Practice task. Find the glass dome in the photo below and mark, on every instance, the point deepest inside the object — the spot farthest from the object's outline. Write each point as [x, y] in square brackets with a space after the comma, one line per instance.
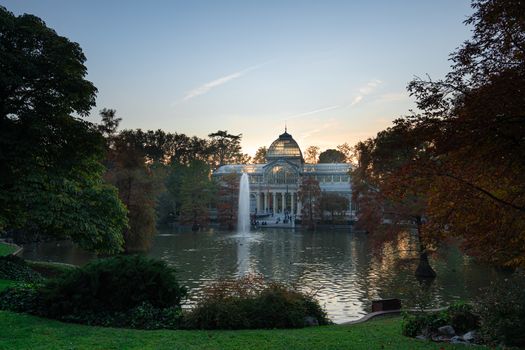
[284, 147]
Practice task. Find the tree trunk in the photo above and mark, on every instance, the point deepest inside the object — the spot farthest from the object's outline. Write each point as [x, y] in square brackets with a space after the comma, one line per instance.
[424, 270]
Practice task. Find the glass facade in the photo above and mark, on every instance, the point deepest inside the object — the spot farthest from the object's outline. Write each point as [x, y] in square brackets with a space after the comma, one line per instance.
[281, 175]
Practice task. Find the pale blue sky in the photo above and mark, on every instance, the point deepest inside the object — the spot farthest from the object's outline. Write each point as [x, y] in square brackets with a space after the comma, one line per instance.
[335, 70]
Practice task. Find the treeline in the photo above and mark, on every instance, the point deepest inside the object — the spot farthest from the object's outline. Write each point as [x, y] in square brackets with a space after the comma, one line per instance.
[165, 177]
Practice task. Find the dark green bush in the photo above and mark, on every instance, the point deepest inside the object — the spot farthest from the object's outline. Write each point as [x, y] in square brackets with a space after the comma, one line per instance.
[501, 309]
[16, 269]
[250, 302]
[125, 291]
[459, 315]
[144, 316]
[111, 285]
[22, 298]
[422, 322]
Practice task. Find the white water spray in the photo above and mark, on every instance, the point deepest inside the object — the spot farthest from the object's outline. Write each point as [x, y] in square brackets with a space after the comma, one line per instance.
[243, 213]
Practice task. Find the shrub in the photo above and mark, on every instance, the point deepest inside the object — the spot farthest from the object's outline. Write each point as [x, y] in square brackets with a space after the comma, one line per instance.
[144, 316]
[21, 298]
[124, 291]
[16, 269]
[422, 322]
[462, 317]
[250, 302]
[459, 315]
[501, 308]
[111, 285]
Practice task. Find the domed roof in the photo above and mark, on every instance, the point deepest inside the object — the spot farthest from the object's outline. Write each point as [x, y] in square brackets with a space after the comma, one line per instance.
[284, 147]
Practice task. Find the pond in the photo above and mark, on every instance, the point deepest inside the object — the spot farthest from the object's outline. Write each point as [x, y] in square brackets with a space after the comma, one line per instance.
[346, 270]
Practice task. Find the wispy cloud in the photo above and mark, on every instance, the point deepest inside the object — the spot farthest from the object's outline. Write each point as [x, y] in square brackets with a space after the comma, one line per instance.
[204, 88]
[365, 90]
[329, 124]
[315, 111]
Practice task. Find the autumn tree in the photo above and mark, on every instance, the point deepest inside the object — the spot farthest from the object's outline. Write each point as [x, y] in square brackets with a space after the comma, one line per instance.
[228, 199]
[469, 171]
[51, 158]
[310, 196]
[260, 155]
[474, 121]
[390, 200]
[311, 154]
[332, 156]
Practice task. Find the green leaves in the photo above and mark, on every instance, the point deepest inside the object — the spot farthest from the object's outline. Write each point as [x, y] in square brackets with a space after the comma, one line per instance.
[51, 174]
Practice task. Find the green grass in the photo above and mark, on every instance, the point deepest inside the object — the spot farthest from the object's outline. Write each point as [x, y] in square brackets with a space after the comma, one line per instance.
[5, 284]
[6, 249]
[21, 331]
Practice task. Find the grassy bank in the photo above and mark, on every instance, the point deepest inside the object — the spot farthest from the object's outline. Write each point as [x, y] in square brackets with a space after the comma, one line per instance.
[21, 331]
[6, 249]
[27, 332]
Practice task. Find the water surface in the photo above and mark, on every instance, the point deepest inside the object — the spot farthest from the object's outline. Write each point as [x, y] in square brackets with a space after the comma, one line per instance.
[345, 269]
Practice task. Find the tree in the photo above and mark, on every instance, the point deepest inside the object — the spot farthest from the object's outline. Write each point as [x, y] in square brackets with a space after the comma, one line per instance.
[228, 200]
[195, 191]
[475, 123]
[347, 150]
[310, 196]
[109, 123]
[260, 155]
[138, 180]
[51, 173]
[225, 148]
[389, 200]
[335, 204]
[311, 154]
[332, 156]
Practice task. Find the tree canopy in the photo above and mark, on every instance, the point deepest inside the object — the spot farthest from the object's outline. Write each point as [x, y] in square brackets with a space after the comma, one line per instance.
[311, 154]
[470, 133]
[260, 155]
[51, 173]
[332, 156]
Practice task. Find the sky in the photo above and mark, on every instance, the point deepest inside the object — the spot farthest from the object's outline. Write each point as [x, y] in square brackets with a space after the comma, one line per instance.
[333, 71]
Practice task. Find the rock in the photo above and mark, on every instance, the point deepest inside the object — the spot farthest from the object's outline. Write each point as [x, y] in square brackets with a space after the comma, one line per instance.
[310, 321]
[440, 338]
[457, 340]
[447, 330]
[421, 337]
[426, 333]
[470, 336]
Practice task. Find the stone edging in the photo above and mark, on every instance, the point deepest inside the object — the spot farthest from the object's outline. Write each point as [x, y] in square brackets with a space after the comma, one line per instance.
[18, 248]
[371, 315]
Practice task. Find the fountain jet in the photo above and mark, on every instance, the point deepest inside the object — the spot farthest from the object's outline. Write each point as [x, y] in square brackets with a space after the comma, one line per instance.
[243, 212]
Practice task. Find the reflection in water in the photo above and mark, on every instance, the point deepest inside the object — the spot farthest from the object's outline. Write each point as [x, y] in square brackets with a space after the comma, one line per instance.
[339, 266]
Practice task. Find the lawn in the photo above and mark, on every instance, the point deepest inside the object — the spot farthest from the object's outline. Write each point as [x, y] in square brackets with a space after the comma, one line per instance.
[28, 332]
[6, 249]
